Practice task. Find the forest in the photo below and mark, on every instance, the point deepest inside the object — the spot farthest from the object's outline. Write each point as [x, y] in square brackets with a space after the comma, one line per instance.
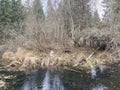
[74, 29]
[73, 35]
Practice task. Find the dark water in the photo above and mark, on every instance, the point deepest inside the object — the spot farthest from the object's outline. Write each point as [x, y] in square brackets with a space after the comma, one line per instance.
[60, 80]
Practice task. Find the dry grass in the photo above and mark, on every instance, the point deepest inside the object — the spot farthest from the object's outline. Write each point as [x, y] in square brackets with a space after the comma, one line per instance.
[7, 55]
[79, 59]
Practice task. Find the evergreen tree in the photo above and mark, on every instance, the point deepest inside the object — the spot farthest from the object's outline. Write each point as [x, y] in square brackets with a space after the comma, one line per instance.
[37, 9]
[11, 15]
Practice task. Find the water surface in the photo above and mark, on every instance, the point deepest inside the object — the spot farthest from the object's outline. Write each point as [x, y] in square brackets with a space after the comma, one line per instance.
[62, 80]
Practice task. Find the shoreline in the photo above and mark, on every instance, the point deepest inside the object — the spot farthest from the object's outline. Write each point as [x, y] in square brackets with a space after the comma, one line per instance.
[82, 59]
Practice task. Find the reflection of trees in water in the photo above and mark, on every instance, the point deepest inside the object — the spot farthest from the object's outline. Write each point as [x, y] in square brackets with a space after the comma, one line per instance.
[46, 81]
[55, 85]
[30, 83]
[75, 81]
[50, 82]
[65, 79]
[100, 87]
[12, 79]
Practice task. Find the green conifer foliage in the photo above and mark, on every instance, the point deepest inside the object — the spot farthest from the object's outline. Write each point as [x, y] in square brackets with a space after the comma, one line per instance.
[11, 15]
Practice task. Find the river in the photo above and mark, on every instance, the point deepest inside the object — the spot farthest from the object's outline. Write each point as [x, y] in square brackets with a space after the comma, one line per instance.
[60, 80]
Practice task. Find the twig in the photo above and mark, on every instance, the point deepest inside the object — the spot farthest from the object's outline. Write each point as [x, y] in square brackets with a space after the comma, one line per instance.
[71, 69]
[90, 57]
[91, 54]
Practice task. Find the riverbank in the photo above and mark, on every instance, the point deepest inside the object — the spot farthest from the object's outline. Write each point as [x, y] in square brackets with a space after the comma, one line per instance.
[76, 60]
[82, 63]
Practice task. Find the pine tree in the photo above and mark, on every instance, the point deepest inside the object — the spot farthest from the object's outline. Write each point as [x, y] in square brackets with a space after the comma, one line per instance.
[11, 15]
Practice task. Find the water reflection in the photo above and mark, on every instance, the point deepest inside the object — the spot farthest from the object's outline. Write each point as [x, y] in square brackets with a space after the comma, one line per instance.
[101, 67]
[100, 87]
[57, 84]
[49, 83]
[26, 85]
[30, 84]
[93, 73]
[46, 82]
[64, 80]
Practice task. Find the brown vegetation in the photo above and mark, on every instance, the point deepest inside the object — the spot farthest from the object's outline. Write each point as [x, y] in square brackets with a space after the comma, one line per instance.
[81, 59]
[77, 40]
